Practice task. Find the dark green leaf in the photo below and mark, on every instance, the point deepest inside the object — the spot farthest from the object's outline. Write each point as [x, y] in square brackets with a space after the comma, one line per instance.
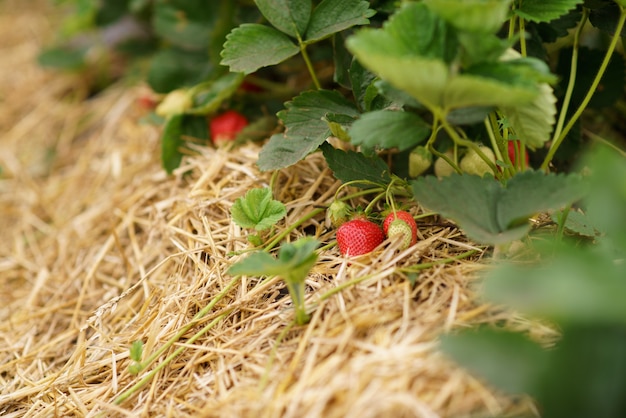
[171, 143]
[350, 166]
[587, 374]
[542, 11]
[389, 129]
[491, 213]
[304, 115]
[611, 85]
[282, 151]
[288, 16]
[507, 361]
[468, 115]
[257, 210]
[332, 16]
[110, 11]
[252, 46]
[174, 68]
[360, 80]
[187, 24]
[177, 130]
[605, 17]
[208, 101]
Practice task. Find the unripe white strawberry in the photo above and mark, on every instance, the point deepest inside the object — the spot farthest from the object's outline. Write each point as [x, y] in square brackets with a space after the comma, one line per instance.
[442, 168]
[175, 102]
[420, 160]
[471, 163]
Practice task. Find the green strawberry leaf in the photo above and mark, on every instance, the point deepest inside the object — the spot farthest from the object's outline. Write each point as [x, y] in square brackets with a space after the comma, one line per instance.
[187, 24]
[577, 223]
[288, 16]
[389, 129]
[305, 119]
[350, 166]
[472, 15]
[209, 100]
[257, 210]
[491, 213]
[172, 68]
[507, 360]
[332, 16]
[544, 11]
[177, 128]
[252, 46]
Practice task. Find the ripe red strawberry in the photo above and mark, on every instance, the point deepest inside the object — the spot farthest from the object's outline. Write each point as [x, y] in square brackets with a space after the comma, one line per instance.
[401, 223]
[513, 145]
[358, 236]
[226, 126]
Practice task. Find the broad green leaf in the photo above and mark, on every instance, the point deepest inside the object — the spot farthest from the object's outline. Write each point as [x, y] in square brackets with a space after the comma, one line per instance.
[257, 210]
[187, 24]
[472, 15]
[544, 11]
[257, 264]
[394, 96]
[173, 68]
[491, 213]
[332, 16]
[252, 46]
[577, 222]
[477, 48]
[507, 361]
[533, 122]
[576, 286]
[282, 151]
[350, 166]
[288, 16]
[389, 129]
[172, 142]
[604, 15]
[468, 115]
[304, 115]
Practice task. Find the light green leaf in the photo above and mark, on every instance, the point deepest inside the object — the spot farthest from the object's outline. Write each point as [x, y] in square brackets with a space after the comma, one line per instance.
[544, 11]
[252, 46]
[533, 122]
[209, 100]
[257, 210]
[508, 361]
[282, 151]
[350, 166]
[288, 16]
[257, 264]
[332, 16]
[491, 213]
[472, 15]
[389, 129]
[136, 350]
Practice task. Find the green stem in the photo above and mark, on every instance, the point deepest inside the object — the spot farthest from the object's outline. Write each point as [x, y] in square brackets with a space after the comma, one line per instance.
[129, 392]
[596, 81]
[278, 238]
[562, 220]
[572, 77]
[308, 63]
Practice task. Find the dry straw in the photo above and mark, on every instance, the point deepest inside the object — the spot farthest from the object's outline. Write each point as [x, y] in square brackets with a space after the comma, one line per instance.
[100, 248]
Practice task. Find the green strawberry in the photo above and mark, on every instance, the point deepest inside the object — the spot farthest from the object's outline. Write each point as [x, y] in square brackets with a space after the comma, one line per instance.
[401, 223]
[420, 160]
[473, 164]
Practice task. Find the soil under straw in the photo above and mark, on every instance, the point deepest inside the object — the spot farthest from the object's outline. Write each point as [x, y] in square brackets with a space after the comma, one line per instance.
[100, 248]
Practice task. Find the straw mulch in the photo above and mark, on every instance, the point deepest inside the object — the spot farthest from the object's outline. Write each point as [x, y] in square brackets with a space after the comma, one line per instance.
[100, 248]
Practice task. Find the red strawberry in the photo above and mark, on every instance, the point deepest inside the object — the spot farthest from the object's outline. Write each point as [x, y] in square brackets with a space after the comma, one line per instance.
[401, 222]
[226, 126]
[515, 147]
[359, 236]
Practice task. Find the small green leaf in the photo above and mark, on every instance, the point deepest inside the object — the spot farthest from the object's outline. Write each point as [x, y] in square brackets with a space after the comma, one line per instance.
[171, 143]
[506, 360]
[332, 16]
[257, 210]
[288, 16]
[389, 129]
[577, 222]
[544, 11]
[490, 213]
[252, 46]
[349, 166]
[136, 350]
[472, 15]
